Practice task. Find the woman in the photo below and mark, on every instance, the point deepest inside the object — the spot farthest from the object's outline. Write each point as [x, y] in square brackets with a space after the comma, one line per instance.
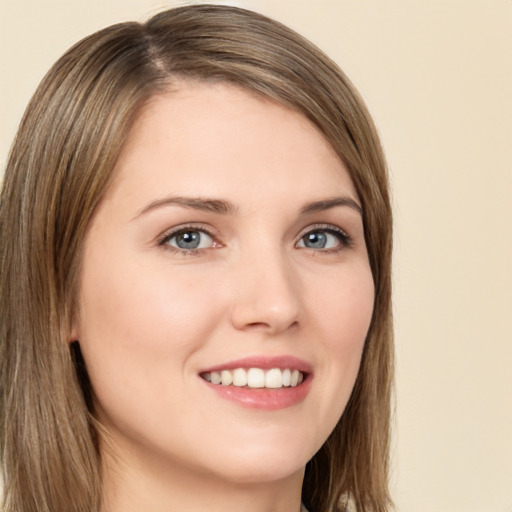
[196, 247]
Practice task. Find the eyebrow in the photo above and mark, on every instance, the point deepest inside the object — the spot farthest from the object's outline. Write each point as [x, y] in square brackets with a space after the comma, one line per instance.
[327, 204]
[196, 203]
[227, 208]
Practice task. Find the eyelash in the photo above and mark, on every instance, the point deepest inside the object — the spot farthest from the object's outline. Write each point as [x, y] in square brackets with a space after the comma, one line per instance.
[344, 239]
[166, 237]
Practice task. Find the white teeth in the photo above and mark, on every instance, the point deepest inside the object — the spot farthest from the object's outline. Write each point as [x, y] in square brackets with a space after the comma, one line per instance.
[240, 377]
[227, 377]
[256, 378]
[274, 378]
[287, 377]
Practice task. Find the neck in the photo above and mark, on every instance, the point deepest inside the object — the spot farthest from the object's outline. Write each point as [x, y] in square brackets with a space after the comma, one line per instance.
[132, 485]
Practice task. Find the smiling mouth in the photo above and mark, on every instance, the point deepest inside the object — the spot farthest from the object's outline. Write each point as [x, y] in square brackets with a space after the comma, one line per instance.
[256, 378]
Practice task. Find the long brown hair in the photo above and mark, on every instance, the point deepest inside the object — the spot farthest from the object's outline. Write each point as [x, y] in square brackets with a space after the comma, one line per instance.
[60, 166]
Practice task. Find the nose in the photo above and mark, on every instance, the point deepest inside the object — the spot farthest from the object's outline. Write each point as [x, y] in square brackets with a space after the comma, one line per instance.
[266, 295]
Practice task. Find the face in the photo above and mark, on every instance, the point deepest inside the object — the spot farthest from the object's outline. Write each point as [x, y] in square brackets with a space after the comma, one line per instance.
[225, 289]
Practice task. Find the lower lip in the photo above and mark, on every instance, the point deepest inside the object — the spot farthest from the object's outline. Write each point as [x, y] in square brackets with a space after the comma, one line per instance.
[264, 398]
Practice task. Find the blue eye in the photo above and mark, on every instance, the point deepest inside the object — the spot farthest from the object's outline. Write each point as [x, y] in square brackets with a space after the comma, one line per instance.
[322, 239]
[189, 239]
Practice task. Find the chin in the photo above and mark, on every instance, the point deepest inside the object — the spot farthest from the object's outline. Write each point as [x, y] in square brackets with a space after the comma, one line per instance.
[260, 462]
[261, 471]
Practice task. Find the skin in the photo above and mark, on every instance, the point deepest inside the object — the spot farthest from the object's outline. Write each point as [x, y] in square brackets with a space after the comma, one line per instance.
[152, 316]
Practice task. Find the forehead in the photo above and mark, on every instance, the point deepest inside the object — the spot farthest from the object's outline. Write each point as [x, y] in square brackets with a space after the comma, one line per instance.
[221, 139]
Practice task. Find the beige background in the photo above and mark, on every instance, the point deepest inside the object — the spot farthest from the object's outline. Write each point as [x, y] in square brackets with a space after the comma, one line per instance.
[437, 76]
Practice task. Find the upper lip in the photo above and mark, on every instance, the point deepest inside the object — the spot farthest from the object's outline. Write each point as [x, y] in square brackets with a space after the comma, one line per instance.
[263, 362]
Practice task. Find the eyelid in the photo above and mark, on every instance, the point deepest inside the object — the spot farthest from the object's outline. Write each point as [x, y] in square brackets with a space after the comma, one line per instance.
[176, 230]
[344, 238]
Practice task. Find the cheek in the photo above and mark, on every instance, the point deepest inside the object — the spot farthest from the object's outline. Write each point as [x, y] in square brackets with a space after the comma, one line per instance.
[139, 327]
[344, 311]
[139, 305]
[138, 340]
[343, 317]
